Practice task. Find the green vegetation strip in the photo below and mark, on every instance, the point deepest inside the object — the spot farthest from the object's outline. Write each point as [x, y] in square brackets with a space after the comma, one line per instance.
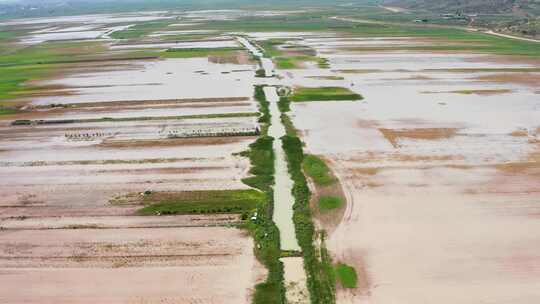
[317, 261]
[261, 156]
[8, 111]
[284, 105]
[317, 169]
[264, 105]
[106, 119]
[263, 229]
[303, 94]
[297, 62]
[201, 202]
[346, 275]
[198, 52]
[320, 280]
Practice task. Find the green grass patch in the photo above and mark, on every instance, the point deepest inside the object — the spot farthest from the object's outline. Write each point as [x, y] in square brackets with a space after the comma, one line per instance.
[303, 94]
[8, 111]
[201, 202]
[286, 63]
[317, 169]
[298, 62]
[346, 275]
[328, 203]
[284, 104]
[261, 156]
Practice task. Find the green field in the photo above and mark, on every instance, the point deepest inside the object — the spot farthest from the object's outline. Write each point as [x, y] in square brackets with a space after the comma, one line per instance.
[200, 202]
[303, 94]
[199, 52]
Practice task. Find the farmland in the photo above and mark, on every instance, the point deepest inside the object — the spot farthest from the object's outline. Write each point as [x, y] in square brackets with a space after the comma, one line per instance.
[321, 155]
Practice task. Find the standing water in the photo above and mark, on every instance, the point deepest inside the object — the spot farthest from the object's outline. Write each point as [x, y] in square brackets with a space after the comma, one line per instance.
[283, 198]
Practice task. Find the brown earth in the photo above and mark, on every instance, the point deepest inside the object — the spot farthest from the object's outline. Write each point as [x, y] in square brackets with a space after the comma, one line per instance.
[393, 135]
[528, 79]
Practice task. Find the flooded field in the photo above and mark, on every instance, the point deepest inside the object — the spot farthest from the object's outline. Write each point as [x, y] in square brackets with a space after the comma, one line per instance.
[86, 152]
[154, 80]
[440, 169]
[150, 157]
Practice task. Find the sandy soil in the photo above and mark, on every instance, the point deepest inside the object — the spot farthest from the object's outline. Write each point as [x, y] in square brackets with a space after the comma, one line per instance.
[112, 222]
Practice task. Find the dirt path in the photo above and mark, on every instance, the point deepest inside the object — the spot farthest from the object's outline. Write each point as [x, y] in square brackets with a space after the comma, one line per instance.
[511, 37]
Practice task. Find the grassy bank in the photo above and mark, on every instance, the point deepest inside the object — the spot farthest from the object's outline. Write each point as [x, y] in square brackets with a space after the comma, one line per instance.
[263, 229]
[317, 170]
[317, 261]
[320, 282]
[303, 94]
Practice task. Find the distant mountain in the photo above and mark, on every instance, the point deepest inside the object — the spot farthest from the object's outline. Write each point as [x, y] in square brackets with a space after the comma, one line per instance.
[520, 17]
[470, 6]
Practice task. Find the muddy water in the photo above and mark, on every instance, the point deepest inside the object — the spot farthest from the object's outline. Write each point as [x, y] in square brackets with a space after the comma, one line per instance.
[283, 199]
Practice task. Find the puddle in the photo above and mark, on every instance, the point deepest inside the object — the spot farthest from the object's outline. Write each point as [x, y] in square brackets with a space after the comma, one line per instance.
[295, 281]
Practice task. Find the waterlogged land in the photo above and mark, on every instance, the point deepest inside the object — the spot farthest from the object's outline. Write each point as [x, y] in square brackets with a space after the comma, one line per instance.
[121, 173]
[313, 155]
[438, 164]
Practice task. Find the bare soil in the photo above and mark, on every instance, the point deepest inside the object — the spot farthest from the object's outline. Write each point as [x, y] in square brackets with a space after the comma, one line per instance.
[393, 135]
[528, 79]
[158, 265]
